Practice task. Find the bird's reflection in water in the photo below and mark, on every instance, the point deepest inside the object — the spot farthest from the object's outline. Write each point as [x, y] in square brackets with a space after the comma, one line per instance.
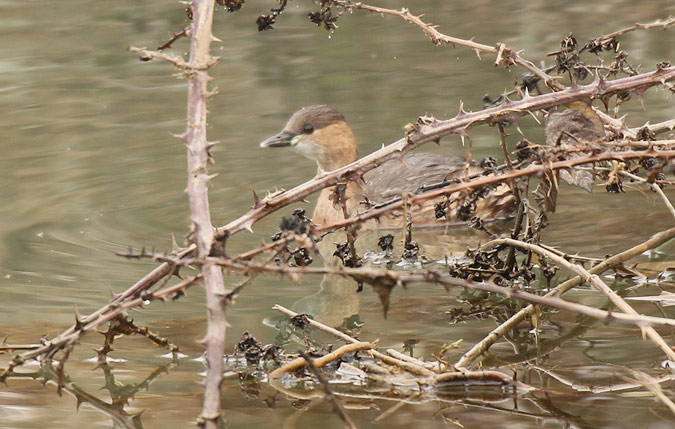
[338, 299]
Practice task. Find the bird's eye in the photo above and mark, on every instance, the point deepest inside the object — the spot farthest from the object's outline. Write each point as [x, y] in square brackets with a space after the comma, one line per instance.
[308, 129]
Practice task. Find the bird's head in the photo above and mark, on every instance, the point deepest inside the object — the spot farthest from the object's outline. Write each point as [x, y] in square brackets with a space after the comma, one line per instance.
[320, 133]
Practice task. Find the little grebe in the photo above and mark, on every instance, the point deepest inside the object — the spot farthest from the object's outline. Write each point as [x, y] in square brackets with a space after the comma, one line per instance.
[320, 133]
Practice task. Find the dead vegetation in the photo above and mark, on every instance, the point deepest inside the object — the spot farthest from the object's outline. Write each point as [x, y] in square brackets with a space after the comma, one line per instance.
[593, 149]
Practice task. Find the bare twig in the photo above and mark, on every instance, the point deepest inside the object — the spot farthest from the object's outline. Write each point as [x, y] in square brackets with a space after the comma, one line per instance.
[580, 387]
[434, 366]
[502, 142]
[505, 55]
[298, 363]
[642, 144]
[11, 348]
[278, 244]
[147, 55]
[659, 23]
[195, 65]
[655, 187]
[173, 38]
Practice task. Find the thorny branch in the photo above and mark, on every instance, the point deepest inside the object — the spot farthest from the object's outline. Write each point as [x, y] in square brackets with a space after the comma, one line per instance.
[659, 23]
[117, 307]
[390, 278]
[198, 178]
[147, 55]
[176, 36]
[488, 180]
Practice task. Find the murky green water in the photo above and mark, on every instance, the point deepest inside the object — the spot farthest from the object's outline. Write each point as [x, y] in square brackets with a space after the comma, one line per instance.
[89, 168]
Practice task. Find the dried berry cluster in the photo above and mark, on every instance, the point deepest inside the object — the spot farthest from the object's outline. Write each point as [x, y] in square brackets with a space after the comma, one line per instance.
[322, 17]
[231, 5]
[299, 224]
[568, 58]
[254, 352]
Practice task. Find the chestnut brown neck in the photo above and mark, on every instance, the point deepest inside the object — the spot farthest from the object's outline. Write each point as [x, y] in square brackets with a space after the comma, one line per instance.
[335, 145]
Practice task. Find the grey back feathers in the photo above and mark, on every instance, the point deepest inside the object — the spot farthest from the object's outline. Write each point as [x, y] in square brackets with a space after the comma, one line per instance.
[416, 169]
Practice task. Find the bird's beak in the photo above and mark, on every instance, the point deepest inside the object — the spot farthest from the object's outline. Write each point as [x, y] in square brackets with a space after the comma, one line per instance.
[282, 139]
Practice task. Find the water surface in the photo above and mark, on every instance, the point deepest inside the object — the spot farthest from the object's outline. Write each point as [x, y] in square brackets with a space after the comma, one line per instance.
[90, 168]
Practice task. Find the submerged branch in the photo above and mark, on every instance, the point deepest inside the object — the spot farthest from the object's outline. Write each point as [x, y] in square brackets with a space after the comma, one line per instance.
[417, 368]
[480, 347]
[298, 363]
[594, 280]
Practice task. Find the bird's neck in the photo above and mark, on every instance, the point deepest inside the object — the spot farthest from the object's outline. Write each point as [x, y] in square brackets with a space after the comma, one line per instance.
[329, 208]
[335, 147]
[334, 160]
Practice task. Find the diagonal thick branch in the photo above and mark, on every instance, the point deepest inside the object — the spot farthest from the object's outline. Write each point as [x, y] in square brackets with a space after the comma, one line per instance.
[460, 124]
